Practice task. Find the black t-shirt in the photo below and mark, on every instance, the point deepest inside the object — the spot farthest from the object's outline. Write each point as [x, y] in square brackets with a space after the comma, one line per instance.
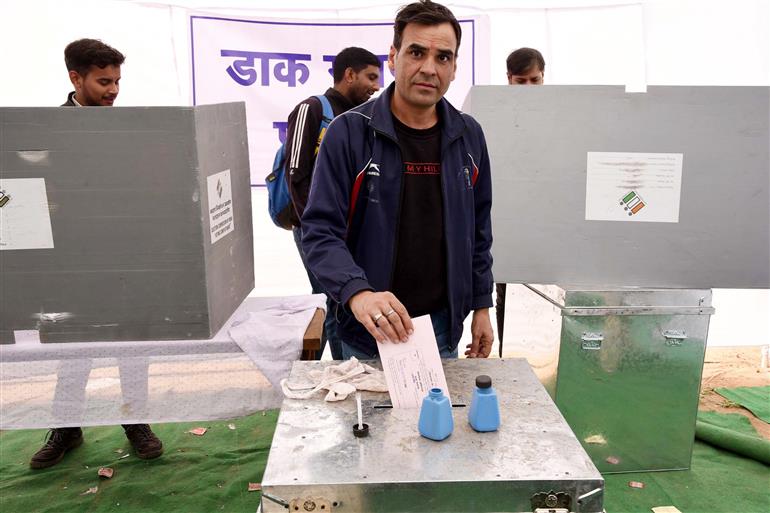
[419, 279]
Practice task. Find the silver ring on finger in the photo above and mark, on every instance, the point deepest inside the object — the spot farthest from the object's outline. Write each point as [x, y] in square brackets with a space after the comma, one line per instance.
[377, 318]
[391, 312]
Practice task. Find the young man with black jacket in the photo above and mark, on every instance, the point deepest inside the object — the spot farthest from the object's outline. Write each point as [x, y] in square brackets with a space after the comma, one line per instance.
[94, 70]
[398, 218]
[356, 74]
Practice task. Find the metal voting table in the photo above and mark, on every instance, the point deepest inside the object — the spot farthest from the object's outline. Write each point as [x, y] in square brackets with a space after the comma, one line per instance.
[533, 463]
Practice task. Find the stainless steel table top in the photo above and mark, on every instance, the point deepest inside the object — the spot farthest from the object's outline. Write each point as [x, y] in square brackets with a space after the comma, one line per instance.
[314, 454]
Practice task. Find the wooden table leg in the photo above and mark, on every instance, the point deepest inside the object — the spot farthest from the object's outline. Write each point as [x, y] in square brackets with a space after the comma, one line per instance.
[311, 342]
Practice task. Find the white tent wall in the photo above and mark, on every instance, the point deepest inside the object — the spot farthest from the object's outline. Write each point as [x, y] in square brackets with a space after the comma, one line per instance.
[658, 42]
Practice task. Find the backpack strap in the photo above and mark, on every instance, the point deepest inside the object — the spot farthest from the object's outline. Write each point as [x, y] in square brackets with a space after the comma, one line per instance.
[328, 116]
[328, 113]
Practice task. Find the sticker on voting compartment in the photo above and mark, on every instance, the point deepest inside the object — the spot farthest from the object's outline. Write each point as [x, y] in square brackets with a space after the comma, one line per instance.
[25, 220]
[221, 220]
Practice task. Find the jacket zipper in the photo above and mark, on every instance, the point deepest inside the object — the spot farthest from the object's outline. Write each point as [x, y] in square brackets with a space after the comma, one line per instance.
[445, 201]
[398, 207]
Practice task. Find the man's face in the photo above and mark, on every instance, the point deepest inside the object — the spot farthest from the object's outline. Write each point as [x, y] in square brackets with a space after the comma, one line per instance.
[99, 87]
[424, 66]
[532, 76]
[365, 83]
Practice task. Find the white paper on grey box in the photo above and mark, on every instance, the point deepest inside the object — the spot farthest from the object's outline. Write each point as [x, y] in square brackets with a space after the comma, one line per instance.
[414, 367]
[220, 195]
[633, 187]
[25, 221]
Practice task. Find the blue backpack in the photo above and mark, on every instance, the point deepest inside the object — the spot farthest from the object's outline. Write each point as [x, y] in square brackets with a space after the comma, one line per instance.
[278, 199]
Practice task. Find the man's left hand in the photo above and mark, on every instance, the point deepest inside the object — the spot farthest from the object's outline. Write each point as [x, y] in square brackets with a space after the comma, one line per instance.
[483, 336]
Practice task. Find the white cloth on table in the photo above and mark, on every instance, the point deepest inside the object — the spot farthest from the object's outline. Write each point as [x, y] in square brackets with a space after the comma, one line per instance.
[340, 380]
[273, 337]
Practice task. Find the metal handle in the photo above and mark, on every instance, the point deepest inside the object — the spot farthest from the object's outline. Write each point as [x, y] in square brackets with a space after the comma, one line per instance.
[591, 341]
[674, 337]
[586, 496]
[277, 500]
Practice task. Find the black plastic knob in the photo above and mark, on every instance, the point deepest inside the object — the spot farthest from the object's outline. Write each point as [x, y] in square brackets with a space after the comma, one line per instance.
[483, 381]
[362, 431]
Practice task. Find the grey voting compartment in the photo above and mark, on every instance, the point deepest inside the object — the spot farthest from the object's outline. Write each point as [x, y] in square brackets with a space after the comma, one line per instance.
[539, 139]
[123, 223]
[623, 335]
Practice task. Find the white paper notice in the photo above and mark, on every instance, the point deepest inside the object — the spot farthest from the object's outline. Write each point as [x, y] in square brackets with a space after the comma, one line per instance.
[636, 187]
[221, 220]
[25, 222]
[26, 337]
[414, 367]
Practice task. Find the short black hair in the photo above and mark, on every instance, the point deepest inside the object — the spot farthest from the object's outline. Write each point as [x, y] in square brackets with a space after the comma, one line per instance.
[424, 12]
[520, 61]
[355, 58]
[80, 55]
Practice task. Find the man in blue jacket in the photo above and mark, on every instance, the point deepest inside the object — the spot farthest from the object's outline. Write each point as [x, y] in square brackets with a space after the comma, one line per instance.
[397, 223]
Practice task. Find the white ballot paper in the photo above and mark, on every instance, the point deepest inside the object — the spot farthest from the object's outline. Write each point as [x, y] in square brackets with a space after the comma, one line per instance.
[414, 367]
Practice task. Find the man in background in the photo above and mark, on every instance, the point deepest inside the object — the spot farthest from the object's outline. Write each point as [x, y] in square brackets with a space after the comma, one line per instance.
[94, 70]
[356, 74]
[526, 66]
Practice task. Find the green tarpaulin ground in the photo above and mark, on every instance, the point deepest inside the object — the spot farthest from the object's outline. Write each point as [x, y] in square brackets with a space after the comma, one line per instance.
[719, 481]
[754, 399]
[208, 473]
[211, 473]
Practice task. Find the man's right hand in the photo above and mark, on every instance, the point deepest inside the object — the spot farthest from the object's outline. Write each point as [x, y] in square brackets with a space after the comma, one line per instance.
[383, 315]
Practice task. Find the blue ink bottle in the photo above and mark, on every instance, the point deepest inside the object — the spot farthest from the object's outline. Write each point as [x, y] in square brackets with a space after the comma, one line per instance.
[436, 420]
[484, 413]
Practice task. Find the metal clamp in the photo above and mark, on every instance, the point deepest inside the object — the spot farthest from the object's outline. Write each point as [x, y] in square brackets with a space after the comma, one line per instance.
[674, 337]
[591, 341]
[547, 502]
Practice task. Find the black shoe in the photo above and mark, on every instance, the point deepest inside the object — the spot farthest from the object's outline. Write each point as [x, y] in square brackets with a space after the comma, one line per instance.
[60, 440]
[146, 445]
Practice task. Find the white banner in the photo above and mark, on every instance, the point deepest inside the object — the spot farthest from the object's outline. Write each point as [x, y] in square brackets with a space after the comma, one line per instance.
[273, 65]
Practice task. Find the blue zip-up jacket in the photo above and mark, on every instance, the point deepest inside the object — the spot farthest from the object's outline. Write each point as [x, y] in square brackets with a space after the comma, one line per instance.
[350, 223]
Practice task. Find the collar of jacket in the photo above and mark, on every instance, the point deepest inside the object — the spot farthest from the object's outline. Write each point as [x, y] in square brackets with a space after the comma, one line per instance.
[70, 100]
[339, 97]
[382, 120]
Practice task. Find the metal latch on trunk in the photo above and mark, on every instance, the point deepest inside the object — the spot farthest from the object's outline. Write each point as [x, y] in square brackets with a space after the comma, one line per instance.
[591, 341]
[674, 337]
[551, 502]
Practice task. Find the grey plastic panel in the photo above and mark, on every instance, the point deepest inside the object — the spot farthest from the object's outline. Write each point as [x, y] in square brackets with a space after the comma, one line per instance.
[131, 258]
[538, 140]
[222, 144]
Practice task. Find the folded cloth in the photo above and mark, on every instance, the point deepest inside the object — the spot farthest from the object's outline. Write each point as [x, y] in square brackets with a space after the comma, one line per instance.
[340, 380]
[272, 337]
